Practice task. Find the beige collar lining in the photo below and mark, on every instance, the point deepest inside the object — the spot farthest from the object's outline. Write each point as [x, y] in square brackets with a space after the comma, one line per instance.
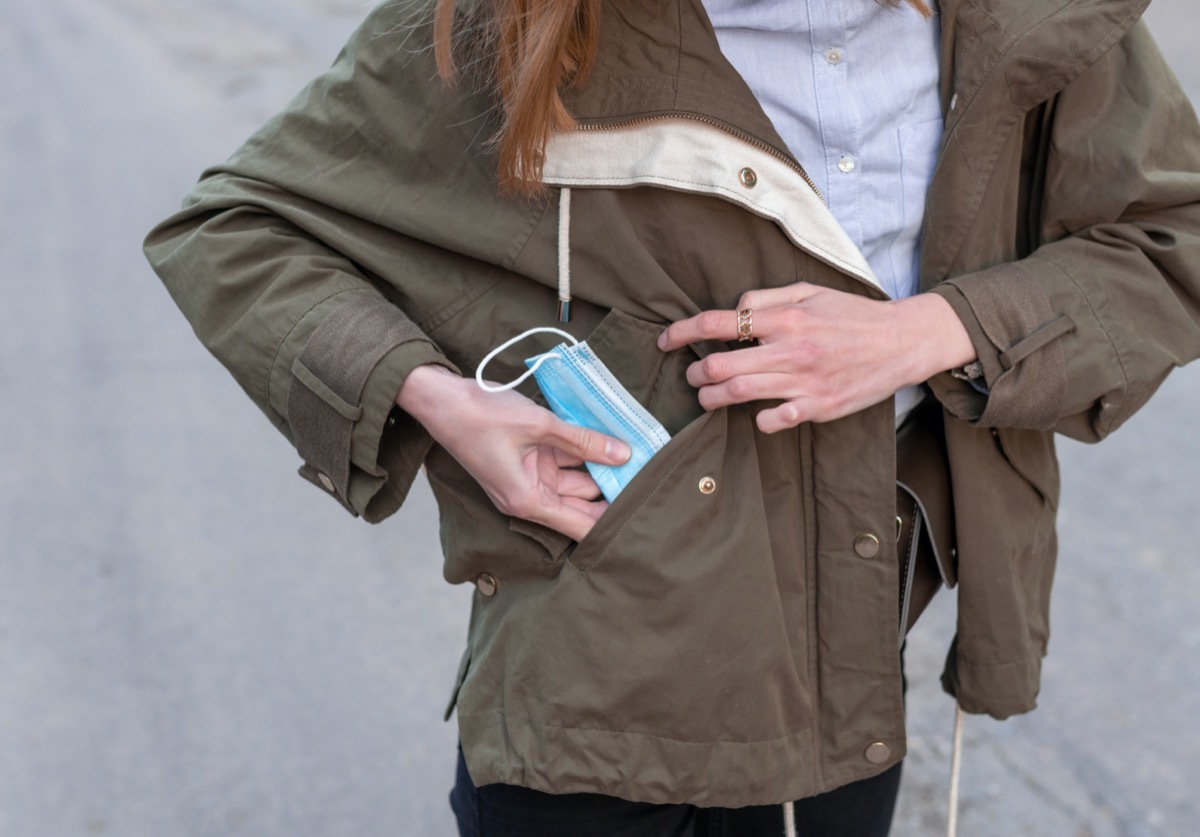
[691, 156]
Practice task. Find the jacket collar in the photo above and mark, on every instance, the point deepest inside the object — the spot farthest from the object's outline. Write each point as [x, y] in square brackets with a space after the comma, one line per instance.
[1038, 47]
[661, 58]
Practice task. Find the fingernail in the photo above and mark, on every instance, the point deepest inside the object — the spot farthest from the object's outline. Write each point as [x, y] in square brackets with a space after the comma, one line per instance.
[617, 451]
[662, 340]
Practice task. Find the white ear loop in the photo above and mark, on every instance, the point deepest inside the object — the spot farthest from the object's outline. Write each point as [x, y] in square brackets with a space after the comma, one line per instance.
[486, 387]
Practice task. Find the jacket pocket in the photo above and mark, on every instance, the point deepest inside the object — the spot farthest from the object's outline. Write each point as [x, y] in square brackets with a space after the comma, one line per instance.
[627, 346]
[662, 469]
[667, 609]
[478, 538]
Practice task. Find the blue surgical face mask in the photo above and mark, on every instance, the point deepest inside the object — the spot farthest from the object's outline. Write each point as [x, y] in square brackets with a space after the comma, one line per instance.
[581, 390]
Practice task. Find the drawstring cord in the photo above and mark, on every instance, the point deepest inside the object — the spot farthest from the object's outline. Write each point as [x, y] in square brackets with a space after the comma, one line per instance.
[789, 808]
[564, 255]
[955, 768]
[564, 302]
[486, 387]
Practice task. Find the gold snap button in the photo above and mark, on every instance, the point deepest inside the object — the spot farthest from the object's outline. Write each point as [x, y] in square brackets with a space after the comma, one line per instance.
[867, 546]
[486, 585]
[708, 485]
[878, 753]
[748, 178]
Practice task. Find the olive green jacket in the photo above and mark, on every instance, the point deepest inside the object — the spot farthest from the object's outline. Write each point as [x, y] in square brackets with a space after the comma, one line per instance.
[737, 645]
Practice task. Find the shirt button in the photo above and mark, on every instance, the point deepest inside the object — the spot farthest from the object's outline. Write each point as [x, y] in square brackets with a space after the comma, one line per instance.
[486, 585]
[878, 753]
[867, 546]
[846, 164]
[833, 55]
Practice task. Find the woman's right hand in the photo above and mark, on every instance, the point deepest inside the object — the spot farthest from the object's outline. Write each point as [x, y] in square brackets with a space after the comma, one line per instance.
[523, 455]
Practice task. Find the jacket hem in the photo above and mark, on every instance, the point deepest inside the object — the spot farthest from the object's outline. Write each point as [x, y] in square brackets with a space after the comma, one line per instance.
[515, 750]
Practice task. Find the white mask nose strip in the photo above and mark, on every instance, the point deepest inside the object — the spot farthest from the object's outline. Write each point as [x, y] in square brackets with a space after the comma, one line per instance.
[490, 356]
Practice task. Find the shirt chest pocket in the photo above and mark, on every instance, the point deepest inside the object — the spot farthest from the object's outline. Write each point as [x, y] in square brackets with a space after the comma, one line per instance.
[919, 146]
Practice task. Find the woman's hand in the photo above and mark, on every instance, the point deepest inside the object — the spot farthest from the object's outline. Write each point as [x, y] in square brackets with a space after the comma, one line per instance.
[523, 455]
[824, 353]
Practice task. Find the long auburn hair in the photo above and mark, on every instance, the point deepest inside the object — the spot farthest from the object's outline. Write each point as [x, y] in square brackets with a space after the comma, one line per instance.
[529, 52]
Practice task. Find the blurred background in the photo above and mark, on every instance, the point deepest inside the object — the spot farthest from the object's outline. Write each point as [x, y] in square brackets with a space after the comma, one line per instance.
[194, 642]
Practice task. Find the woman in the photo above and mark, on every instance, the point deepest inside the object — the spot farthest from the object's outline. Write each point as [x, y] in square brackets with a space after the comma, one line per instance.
[724, 635]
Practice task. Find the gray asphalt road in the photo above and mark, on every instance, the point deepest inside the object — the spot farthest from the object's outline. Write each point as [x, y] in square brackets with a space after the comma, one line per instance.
[194, 642]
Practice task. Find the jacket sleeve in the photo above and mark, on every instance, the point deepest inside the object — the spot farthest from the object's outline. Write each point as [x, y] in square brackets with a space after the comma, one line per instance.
[1077, 336]
[315, 262]
[311, 340]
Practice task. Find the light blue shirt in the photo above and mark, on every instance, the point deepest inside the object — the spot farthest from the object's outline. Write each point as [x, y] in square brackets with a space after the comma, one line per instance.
[852, 88]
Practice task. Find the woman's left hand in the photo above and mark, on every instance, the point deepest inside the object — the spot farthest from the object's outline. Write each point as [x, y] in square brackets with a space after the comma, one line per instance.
[824, 353]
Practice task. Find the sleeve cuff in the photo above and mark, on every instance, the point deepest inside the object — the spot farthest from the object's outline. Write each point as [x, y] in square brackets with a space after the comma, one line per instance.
[1017, 338]
[388, 446]
[342, 389]
[960, 397]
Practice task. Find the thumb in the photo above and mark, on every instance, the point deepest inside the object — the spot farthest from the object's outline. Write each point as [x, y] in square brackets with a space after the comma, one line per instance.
[586, 444]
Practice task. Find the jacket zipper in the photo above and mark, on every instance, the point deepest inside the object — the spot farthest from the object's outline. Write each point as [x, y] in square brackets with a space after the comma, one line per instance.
[724, 126]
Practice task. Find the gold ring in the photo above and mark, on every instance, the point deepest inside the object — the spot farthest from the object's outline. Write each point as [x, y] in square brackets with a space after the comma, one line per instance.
[745, 325]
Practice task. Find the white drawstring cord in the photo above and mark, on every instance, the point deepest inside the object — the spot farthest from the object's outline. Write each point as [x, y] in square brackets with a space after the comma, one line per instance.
[486, 387]
[564, 255]
[789, 808]
[955, 767]
[789, 819]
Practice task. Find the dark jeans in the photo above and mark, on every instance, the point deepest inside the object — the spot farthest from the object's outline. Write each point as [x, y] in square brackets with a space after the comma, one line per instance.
[861, 809]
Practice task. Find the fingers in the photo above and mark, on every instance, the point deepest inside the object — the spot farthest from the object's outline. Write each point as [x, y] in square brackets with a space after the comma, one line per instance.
[592, 508]
[577, 485]
[573, 517]
[583, 443]
[707, 325]
[565, 460]
[786, 415]
[723, 325]
[721, 366]
[746, 388]
[771, 297]
[775, 311]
